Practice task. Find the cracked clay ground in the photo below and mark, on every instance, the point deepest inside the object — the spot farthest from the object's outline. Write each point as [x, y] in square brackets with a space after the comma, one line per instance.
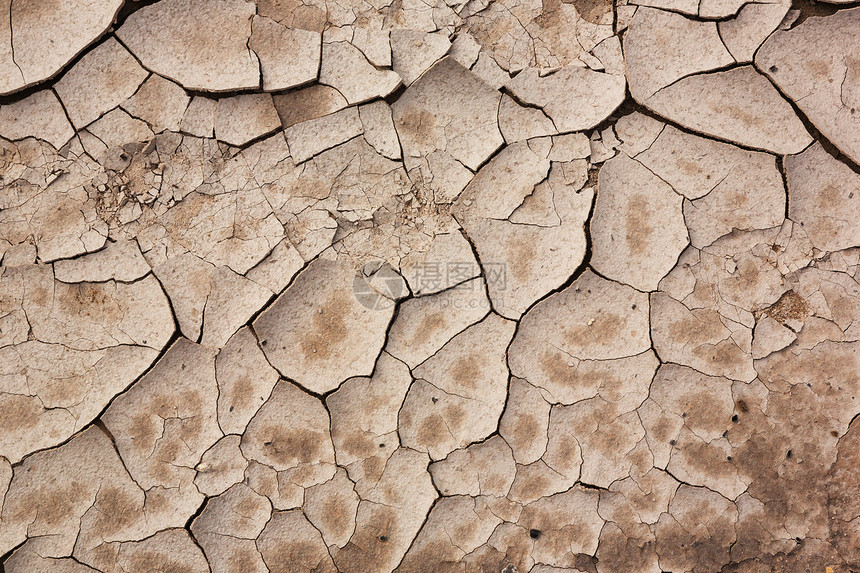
[429, 286]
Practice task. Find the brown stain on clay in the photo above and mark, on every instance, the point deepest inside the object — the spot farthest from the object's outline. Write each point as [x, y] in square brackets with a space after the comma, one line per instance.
[610, 435]
[50, 505]
[189, 209]
[697, 329]
[143, 432]
[429, 325]
[431, 430]
[523, 255]
[290, 447]
[356, 444]
[328, 328]
[337, 515]
[373, 542]
[842, 499]
[735, 110]
[249, 506]
[466, 371]
[177, 416]
[534, 488]
[96, 301]
[158, 500]
[420, 125]
[19, 413]
[61, 503]
[818, 68]
[688, 167]
[39, 293]
[117, 509]
[831, 200]
[628, 549]
[723, 355]
[605, 328]
[638, 229]
[705, 460]
[565, 454]
[293, 14]
[704, 411]
[241, 395]
[67, 215]
[372, 468]
[524, 429]
[157, 561]
[492, 482]
[242, 558]
[454, 415]
[698, 553]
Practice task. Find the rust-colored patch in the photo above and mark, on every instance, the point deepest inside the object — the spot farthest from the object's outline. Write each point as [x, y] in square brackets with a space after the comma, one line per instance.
[790, 306]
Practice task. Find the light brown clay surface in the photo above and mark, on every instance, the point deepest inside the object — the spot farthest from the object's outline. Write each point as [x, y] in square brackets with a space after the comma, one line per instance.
[487, 286]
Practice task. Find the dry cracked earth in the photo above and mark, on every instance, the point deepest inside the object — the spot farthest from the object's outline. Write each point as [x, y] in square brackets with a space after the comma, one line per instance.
[496, 286]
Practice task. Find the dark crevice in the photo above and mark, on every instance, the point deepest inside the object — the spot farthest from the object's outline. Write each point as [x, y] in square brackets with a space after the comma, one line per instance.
[728, 67]
[593, 177]
[780, 165]
[197, 513]
[106, 431]
[55, 77]
[628, 106]
[128, 8]
[702, 19]
[420, 529]
[8, 554]
[525, 104]
[635, 106]
[813, 9]
[12, 42]
[395, 95]
[97, 419]
[176, 327]
[810, 127]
